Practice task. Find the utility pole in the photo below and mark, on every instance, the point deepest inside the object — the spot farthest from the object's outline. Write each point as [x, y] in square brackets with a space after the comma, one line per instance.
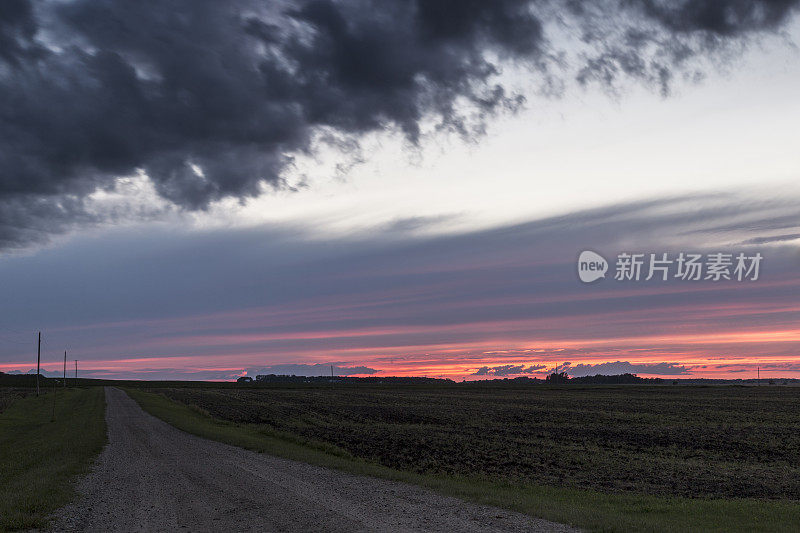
[76, 372]
[38, 361]
[331, 370]
[758, 373]
[65, 369]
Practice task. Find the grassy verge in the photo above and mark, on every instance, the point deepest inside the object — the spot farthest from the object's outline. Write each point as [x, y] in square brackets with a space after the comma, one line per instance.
[587, 509]
[40, 455]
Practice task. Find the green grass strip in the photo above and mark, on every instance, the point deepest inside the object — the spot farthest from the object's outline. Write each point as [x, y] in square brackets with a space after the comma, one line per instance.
[590, 510]
[41, 456]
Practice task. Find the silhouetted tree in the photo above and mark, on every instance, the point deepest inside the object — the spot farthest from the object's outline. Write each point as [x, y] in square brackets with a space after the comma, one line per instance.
[560, 377]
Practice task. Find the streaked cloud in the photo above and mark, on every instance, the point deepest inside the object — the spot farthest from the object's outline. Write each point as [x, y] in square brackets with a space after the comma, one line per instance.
[435, 304]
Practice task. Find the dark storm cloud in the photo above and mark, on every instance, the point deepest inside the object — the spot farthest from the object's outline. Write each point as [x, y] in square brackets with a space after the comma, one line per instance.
[208, 97]
[656, 40]
[720, 17]
[31, 219]
[17, 29]
[211, 98]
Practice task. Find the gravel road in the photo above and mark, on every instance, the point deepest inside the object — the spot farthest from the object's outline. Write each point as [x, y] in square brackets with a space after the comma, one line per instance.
[153, 477]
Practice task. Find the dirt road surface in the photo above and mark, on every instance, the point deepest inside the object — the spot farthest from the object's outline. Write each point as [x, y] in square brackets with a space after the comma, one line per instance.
[153, 477]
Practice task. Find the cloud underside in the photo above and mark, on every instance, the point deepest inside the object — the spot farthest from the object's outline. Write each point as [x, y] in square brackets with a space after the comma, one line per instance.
[211, 99]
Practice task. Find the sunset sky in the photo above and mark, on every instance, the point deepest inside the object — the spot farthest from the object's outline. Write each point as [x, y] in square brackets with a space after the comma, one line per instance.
[203, 189]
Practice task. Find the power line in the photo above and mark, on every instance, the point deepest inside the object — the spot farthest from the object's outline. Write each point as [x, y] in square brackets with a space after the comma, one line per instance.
[38, 361]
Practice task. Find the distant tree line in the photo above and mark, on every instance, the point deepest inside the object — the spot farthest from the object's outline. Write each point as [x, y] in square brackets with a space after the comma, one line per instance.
[275, 378]
[615, 380]
[553, 378]
[560, 377]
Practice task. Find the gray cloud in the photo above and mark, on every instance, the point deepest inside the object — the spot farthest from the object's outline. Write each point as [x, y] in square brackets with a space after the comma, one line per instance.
[42, 371]
[790, 366]
[591, 369]
[773, 238]
[411, 224]
[507, 370]
[211, 98]
[624, 367]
